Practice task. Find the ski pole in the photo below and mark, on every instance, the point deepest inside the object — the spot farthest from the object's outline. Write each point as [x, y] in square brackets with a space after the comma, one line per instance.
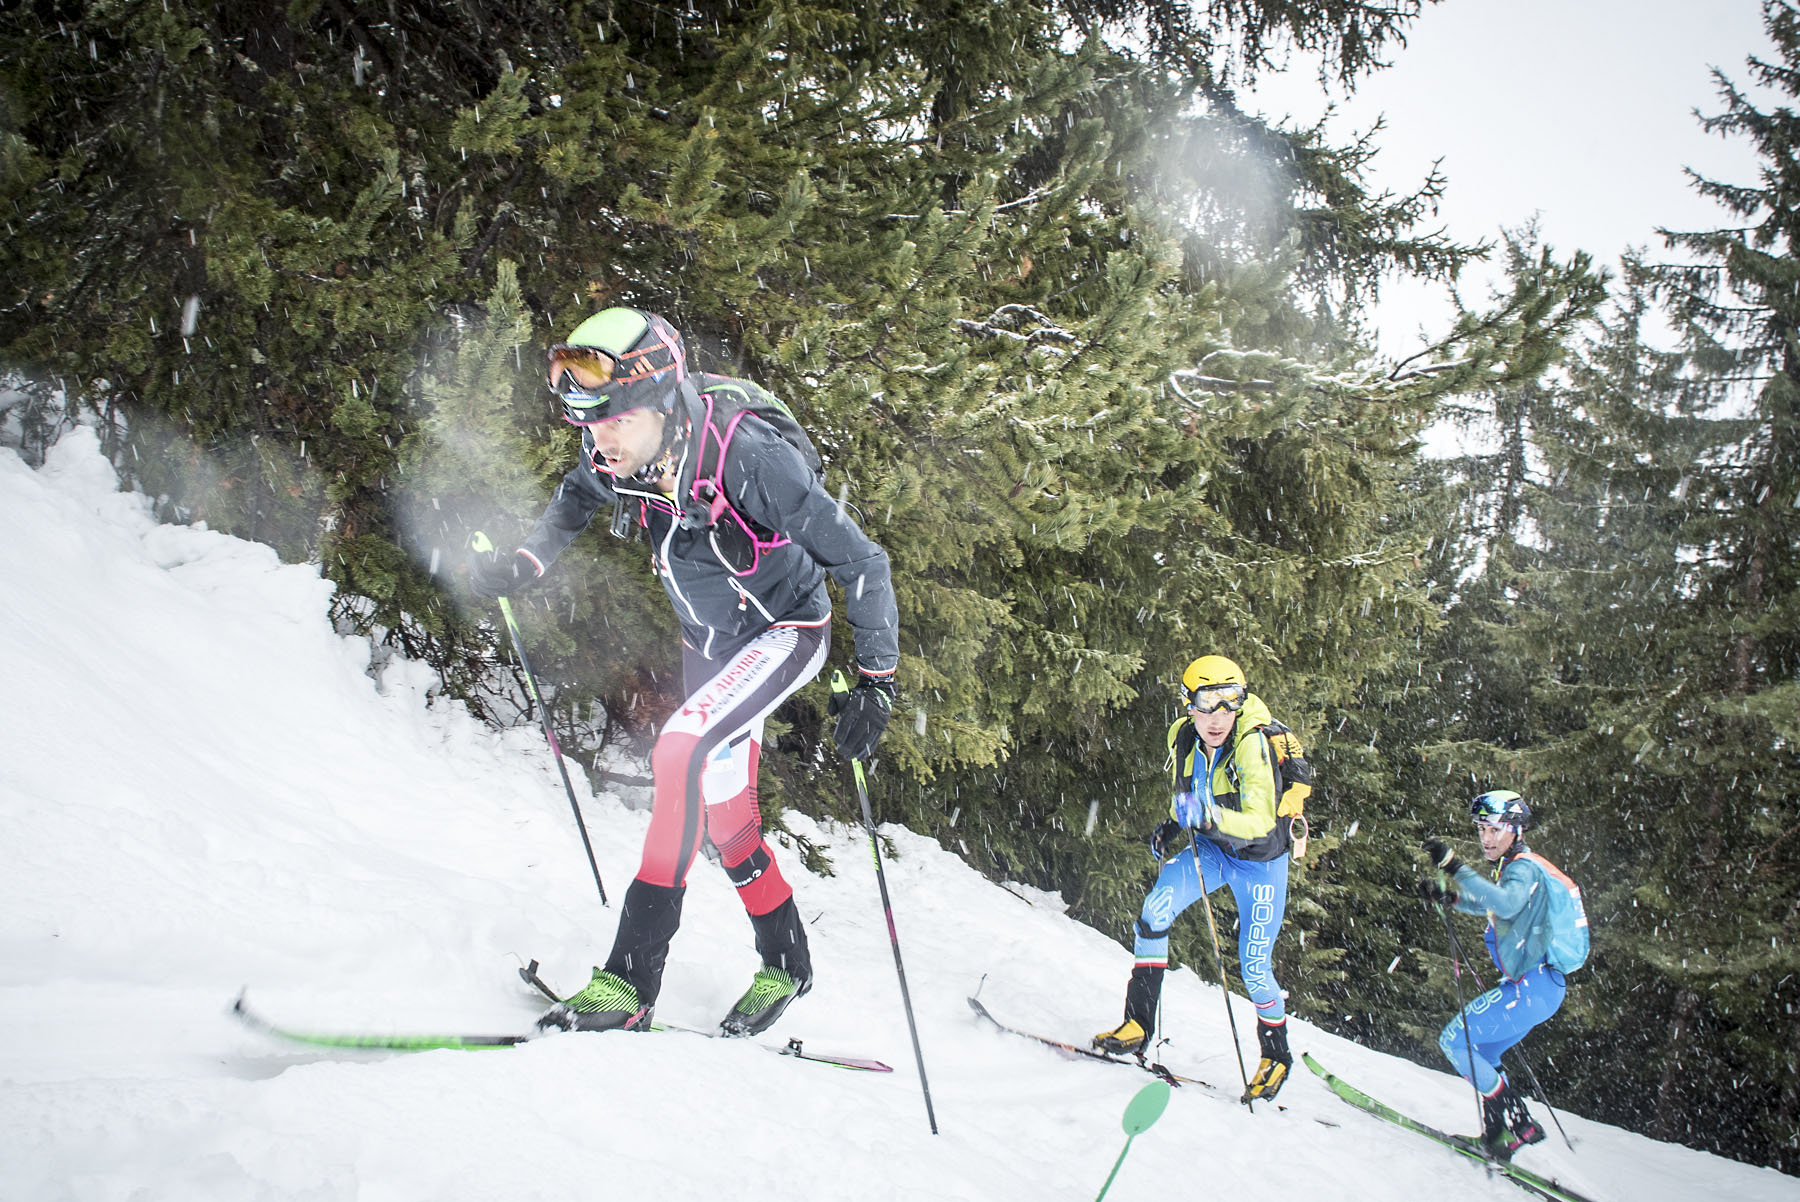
[1544, 1098]
[840, 685]
[1461, 1013]
[1219, 959]
[1160, 1029]
[1519, 1051]
[481, 543]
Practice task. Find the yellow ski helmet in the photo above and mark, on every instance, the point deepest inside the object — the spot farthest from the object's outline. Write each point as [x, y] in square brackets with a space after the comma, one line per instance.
[1212, 669]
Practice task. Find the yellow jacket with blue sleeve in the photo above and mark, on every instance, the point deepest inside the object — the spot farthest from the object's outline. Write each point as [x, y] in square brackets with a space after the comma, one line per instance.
[1251, 789]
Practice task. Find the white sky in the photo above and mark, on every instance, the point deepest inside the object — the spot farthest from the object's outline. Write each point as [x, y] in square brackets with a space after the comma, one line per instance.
[1579, 111]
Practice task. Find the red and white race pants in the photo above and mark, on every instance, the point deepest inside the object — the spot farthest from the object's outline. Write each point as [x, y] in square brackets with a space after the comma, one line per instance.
[705, 762]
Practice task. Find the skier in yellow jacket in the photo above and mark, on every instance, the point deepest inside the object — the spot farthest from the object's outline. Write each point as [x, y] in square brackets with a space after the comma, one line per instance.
[1241, 783]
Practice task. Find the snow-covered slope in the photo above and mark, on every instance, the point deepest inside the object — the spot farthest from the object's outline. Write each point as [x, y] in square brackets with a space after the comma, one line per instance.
[202, 787]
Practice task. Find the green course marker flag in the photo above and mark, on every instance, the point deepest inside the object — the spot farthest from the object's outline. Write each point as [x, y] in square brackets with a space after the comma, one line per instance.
[1140, 1115]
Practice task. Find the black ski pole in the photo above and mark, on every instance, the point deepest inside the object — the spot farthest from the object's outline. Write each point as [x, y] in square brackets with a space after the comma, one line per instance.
[1518, 1050]
[1461, 1012]
[1157, 1018]
[1219, 959]
[840, 685]
[481, 543]
[1543, 1097]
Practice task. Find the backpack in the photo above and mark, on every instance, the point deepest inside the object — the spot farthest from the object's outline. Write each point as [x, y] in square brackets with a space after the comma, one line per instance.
[1293, 775]
[736, 540]
[727, 401]
[1567, 918]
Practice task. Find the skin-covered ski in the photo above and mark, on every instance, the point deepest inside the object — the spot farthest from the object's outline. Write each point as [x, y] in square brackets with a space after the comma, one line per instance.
[529, 974]
[1547, 1187]
[1154, 1069]
[375, 1043]
[350, 1041]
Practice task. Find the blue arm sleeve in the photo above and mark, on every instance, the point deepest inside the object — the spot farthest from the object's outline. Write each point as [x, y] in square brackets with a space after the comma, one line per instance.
[1504, 898]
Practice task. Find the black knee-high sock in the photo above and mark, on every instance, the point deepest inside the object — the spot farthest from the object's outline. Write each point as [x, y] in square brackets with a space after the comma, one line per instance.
[648, 919]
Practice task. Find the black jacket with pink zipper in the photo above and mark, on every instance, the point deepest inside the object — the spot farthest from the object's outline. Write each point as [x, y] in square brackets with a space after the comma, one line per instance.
[727, 589]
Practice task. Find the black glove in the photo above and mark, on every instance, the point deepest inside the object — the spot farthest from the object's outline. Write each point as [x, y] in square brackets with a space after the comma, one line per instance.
[1441, 857]
[1431, 891]
[862, 714]
[1165, 830]
[495, 575]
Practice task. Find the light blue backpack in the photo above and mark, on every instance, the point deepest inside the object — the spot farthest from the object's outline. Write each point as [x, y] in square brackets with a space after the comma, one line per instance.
[1568, 949]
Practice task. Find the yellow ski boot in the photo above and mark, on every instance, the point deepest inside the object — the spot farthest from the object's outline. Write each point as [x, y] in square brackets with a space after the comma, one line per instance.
[1272, 1069]
[1127, 1039]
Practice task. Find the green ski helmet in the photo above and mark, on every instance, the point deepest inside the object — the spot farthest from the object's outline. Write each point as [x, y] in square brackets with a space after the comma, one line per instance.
[618, 360]
[1501, 807]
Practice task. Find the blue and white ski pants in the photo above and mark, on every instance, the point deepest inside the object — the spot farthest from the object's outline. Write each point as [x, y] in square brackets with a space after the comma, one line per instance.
[1260, 887]
[1496, 1021]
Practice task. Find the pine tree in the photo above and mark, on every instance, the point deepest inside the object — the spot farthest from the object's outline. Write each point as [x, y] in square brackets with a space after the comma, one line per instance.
[1106, 410]
[1710, 717]
[1668, 725]
[1626, 657]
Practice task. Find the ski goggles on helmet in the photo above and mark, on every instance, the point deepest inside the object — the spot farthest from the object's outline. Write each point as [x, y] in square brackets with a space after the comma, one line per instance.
[580, 369]
[1501, 808]
[597, 386]
[1211, 698]
[590, 383]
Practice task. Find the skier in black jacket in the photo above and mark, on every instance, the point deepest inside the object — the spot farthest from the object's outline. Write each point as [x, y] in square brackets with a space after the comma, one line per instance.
[741, 534]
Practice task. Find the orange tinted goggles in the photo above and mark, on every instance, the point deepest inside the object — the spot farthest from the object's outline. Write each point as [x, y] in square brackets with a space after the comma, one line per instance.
[580, 368]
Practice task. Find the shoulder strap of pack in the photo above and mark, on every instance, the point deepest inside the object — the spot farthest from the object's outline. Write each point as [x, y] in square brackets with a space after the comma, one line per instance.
[709, 463]
[1182, 737]
[1555, 872]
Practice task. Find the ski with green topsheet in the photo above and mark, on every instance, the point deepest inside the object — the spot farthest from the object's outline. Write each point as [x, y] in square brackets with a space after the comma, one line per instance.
[1547, 1187]
[406, 1042]
[374, 1043]
[529, 974]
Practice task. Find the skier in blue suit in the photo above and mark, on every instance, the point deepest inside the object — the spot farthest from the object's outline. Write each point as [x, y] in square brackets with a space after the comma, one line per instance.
[1536, 935]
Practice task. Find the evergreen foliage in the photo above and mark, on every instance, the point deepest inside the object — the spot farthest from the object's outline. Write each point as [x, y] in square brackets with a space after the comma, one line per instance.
[1692, 700]
[1237, 39]
[1621, 648]
[1078, 339]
